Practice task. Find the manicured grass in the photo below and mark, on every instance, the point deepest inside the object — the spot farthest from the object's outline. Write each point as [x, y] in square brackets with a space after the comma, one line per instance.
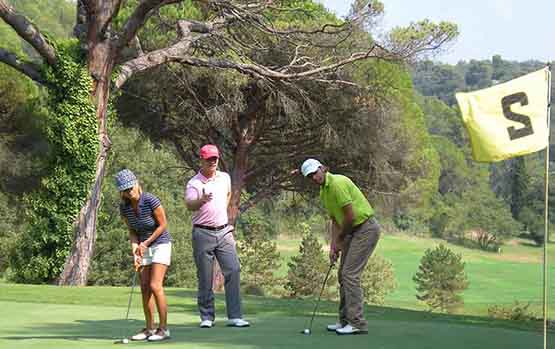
[92, 317]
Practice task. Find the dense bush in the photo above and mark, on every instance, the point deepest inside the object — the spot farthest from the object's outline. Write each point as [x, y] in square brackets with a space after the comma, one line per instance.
[259, 258]
[378, 280]
[307, 269]
[516, 312]
[440, 279]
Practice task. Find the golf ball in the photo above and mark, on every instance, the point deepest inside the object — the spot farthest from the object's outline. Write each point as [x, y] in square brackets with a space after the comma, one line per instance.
[125, 341]
[306, 331]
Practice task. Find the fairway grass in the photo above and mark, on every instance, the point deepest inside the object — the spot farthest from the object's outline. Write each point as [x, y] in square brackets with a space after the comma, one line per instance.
[494, 278]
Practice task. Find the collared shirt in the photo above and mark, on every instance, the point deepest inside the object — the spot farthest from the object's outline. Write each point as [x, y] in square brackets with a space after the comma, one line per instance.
[144, 223]
[337, 192]
[214, 212]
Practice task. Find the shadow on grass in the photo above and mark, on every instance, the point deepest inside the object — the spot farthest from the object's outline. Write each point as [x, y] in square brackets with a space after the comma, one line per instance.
[529, 244]
[391, 329]
[256, 306]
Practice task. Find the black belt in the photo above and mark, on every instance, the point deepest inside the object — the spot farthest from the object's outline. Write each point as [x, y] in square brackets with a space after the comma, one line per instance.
[370, 220]
[207, 227]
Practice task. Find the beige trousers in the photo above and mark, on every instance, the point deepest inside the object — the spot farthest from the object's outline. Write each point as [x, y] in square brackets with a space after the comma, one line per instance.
[357, 248]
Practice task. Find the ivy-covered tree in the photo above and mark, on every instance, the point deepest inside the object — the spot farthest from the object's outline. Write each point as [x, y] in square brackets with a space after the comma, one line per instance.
[440, 279]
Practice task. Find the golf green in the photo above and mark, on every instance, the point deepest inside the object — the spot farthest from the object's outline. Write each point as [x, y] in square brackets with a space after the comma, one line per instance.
[62, 317]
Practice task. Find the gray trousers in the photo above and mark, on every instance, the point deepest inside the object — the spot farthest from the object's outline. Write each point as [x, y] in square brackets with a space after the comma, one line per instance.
[208, 245]
[357, 249]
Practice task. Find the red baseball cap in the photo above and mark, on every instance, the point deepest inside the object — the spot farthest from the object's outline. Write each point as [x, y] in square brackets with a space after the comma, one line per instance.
[209, 151]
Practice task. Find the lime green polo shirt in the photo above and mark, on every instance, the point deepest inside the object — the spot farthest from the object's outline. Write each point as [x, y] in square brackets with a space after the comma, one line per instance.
[337, 192]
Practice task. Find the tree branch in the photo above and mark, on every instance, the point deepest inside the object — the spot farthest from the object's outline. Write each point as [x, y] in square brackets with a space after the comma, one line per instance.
[28, 31]
[263, 72]
[165, 55]
[136, 21]
[27, 68]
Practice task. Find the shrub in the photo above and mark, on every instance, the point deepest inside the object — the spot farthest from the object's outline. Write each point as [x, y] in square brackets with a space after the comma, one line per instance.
[378, 280]
[259, 258]
[404, 221]
[517, 312]
[307, 269]
[440, 279]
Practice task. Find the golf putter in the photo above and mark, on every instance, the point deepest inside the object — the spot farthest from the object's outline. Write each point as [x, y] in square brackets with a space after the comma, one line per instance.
[124, 340]
[308, 330]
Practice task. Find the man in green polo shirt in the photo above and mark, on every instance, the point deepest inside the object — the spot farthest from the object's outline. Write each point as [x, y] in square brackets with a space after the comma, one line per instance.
[355, 236]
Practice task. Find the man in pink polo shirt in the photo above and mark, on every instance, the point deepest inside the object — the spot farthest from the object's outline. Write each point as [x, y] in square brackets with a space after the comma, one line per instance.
[207, 194]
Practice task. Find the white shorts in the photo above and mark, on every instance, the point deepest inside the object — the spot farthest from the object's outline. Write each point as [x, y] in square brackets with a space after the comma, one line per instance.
[161, 254]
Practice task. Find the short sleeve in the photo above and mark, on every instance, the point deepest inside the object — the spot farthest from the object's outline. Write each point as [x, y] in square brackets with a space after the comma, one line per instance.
[342, 194]
[191, 193]
[153, 201]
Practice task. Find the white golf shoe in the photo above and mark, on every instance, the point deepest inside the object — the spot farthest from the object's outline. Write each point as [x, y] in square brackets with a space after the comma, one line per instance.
[348, 329]
[160, 335]
[206, 324]
[238, 323]
[142, 335]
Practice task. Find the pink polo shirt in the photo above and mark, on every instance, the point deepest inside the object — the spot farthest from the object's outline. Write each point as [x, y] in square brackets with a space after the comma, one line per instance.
[214, 212]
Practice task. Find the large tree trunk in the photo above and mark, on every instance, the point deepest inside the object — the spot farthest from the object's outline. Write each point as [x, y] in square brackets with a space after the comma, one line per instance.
[101, 61]
[78, 262]
[237, 182]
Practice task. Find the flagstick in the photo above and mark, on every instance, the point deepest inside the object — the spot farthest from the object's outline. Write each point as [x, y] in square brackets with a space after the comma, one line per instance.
[546, 207]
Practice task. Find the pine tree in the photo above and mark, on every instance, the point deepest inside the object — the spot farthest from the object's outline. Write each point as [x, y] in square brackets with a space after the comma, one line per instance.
[308, 268]
[440, 279]
[259, 258]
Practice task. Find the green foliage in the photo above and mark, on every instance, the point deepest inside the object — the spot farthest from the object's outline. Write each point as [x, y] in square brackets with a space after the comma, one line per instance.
[478, 74]
[438, 80]
[9, 228]
[478, 210]
[151, 34]
[404, 221]
[404, 160]
[56, 17]
[263, 219]
[442, 80]
[307, 269]
[71, 130]
[259, 258]
[440, 279]
[516, 312]
[423, 31]
[378, 280]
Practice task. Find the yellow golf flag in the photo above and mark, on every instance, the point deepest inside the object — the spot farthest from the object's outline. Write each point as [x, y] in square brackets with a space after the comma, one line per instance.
[508, 119]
